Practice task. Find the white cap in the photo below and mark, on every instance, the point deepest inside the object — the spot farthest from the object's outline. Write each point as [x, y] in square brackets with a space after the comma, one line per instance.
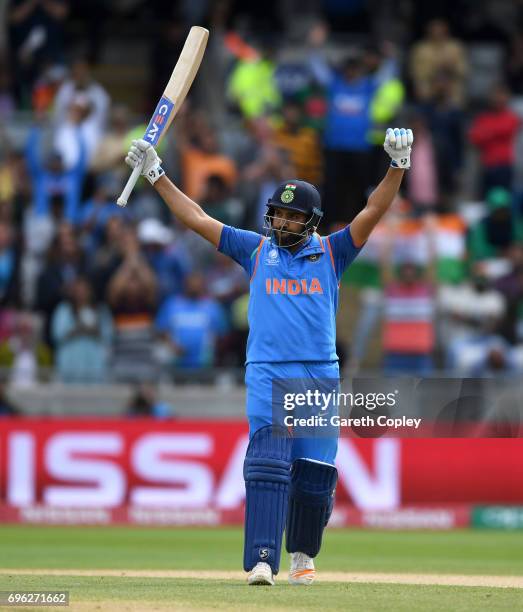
[153, 231]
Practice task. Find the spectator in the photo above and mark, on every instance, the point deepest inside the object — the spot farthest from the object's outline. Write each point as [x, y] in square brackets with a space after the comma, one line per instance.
[24, 352]
[227, 284]
[201, 158]
[46, 87]
[93, 216]
[347, 127]
[263, 174]
[108, 256]
[299, 143]
[144, 403]
[165, 256]
[7, 186]
[239, 329]
[81, 333]
[37, 37]
[226, 280]
[38, 234]
[81, 104]
[132, 295]
[15, 186]
[252, 85]
[386, 103]
[494, 132]
[191, 324]
[445, 120]
[65, 261]
[218, 202]
[491, 236]
[113, 144]
[296, 84]
[471, 313]
[54, 178]
[489, 357]
[297, 81]
[409, 337]
[436, 53]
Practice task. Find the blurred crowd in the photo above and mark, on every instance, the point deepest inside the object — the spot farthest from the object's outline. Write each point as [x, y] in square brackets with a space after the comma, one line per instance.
[91, 293]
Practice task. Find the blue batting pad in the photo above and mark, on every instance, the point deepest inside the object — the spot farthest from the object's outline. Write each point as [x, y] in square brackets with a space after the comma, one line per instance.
[267, 476]
[310, 505]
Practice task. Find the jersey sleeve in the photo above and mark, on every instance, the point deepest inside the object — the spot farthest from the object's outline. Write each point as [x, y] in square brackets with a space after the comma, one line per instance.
[343, 249]
[240, 245]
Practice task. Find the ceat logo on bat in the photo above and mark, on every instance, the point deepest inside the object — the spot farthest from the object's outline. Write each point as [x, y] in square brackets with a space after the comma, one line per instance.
[158, 121]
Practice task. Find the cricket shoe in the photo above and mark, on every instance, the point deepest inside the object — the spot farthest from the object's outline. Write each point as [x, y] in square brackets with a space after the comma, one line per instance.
[302, 569]
[261, 573]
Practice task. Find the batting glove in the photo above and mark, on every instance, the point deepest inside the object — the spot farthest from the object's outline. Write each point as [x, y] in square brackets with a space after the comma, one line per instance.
[142, 154]
[398, 145]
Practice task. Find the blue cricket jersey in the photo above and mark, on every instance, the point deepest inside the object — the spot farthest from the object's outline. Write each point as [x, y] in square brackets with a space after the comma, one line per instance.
[293, 296]
[348, 118]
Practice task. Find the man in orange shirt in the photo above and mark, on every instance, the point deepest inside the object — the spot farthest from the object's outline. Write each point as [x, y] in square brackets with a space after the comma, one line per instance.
[200, 159]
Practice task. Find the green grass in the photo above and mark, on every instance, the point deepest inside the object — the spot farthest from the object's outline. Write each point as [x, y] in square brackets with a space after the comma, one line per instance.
[105, 593]
[461, 552]
[458, 552]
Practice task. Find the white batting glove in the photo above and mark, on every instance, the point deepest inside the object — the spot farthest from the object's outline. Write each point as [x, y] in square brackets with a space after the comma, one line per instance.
[397, 144]
[142, 154]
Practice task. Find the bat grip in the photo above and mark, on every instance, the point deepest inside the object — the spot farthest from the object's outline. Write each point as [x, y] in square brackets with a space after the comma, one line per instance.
[129, 186]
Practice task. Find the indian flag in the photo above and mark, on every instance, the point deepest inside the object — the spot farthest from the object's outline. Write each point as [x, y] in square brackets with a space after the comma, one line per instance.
[412, 244]
[451, 248]
[364, 272]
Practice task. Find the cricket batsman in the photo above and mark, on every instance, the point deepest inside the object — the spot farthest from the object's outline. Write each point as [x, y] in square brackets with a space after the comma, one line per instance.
[294, 282]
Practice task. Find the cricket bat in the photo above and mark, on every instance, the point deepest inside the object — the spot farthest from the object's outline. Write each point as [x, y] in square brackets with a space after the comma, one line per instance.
[172, 97]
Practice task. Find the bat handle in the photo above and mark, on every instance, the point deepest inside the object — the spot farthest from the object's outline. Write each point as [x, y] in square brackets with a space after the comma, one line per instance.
[129, 186]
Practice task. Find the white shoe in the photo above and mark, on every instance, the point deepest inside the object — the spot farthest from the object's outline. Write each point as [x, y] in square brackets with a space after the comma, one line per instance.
[261, 573]
[302, 569]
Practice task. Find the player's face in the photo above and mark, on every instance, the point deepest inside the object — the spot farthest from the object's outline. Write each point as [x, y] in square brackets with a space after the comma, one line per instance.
[287, 224]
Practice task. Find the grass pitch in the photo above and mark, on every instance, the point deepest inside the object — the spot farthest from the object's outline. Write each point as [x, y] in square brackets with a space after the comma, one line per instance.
[488, 553]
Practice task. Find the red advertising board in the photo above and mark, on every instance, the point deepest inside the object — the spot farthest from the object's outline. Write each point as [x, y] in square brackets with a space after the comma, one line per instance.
[174, 466]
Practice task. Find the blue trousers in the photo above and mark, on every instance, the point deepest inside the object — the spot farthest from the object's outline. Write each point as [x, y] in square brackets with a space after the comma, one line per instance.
[259, 379]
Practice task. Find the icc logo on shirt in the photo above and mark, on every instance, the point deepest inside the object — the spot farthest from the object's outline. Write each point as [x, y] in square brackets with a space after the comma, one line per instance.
[273, 258]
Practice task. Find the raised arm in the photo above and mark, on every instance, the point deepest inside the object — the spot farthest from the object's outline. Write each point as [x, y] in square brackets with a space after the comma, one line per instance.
[186, 211]
[398, 145]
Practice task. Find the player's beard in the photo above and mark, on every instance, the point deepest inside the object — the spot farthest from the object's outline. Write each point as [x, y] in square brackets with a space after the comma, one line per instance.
[286, 239]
